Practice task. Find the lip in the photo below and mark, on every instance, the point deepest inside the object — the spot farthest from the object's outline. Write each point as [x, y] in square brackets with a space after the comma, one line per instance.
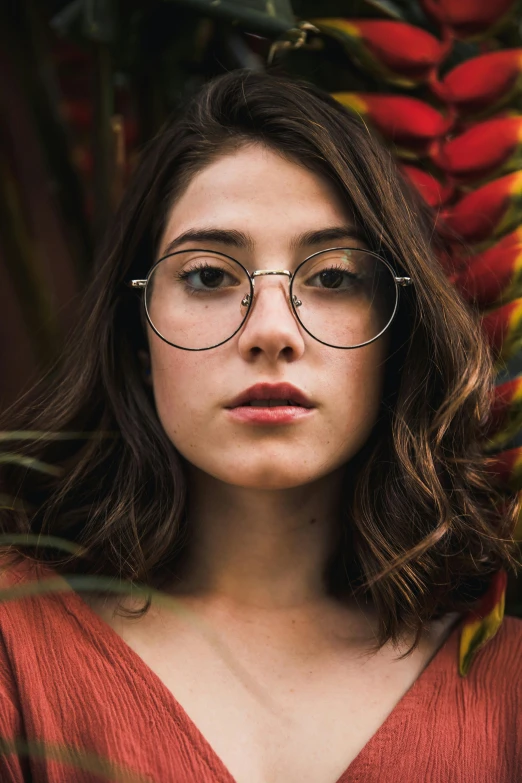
[280, 414]
[272, 391]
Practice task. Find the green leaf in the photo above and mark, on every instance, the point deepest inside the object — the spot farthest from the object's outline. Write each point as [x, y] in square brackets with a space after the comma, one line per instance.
[11, 458]
[75, 758]
[272, 17]
[13, 504]
[7, 435]
[388, 8]
[31, 539]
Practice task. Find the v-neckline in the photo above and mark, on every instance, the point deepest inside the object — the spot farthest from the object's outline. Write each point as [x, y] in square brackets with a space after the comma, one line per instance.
[181, 720]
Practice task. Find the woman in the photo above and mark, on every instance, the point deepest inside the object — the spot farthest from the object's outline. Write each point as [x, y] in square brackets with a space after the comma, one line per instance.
[284, 401]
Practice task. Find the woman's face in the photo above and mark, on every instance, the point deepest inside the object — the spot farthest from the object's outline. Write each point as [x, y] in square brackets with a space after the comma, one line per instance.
[257, 192]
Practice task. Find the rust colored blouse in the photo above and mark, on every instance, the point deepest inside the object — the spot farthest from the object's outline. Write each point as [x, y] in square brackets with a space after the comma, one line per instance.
[77, 704]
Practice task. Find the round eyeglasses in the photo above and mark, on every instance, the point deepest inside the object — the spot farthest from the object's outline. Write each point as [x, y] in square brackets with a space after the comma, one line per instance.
[343, 297]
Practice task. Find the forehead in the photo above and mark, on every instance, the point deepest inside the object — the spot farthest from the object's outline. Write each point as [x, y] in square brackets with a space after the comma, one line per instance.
[256, 184]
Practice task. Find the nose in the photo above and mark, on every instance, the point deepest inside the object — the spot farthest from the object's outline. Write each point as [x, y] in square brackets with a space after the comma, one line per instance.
[271, 325]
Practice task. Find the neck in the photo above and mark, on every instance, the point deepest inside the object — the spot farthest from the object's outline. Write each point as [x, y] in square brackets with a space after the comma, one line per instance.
[262, 548]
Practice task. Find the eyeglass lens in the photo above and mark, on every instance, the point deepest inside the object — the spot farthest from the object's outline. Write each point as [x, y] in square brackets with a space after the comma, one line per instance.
[195, 298]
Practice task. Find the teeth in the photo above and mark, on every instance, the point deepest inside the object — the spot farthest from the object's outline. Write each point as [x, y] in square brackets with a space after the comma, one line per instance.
[269, 403]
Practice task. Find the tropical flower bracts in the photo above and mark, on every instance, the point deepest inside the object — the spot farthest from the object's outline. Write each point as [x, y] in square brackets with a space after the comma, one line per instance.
[481, 624]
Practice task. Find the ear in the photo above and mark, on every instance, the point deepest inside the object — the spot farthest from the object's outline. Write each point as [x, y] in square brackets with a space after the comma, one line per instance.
[144, 360]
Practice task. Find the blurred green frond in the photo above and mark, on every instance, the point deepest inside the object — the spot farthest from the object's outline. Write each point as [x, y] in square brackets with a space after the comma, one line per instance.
[11, 458]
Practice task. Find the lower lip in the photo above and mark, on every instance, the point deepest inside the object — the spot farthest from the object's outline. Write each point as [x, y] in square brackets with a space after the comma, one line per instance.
[280, 414]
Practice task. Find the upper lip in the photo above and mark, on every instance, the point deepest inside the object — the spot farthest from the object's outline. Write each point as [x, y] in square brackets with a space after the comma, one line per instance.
[271, 391]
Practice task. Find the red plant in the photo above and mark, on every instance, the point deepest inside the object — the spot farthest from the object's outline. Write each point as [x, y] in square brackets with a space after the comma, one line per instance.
[483, 622]
[494, 276]
[469, 18]
[411, 124]
[503, 328]
[489, 148]
[506, 410]
[483, 84]
[488, 212]
[397, 52]
[434, 192]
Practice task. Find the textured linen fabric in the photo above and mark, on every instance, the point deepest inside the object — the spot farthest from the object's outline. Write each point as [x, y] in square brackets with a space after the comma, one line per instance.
[78, 704]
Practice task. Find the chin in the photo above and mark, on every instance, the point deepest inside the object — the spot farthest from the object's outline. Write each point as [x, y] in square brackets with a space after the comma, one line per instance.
[269, 477]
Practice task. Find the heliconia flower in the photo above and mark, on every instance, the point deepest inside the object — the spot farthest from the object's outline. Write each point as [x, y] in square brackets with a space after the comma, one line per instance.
[461, 257]
[503, 328]
[411, 124]
[490, 148]
[469, 18]
[494, 276]
[505, 418]
[484, 83]
[482, 623]
[506, 468]
[488, 212]
[433, 191]
[399, 53]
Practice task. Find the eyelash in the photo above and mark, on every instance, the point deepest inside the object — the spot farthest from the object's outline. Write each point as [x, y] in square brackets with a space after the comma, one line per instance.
[184, 275]
[198, 267]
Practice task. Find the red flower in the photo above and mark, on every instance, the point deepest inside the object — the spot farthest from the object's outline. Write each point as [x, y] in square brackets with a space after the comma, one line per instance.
[433, 191]
[484, 83]
[397, 52]
[482, 623]
[494, 276]
[505, 417]
[503, 328]
[489, 211]
[490, 147]
[468, 18]
[412, 124]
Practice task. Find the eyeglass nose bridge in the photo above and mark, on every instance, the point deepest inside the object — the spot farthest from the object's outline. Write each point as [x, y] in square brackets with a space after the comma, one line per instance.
[246, 299]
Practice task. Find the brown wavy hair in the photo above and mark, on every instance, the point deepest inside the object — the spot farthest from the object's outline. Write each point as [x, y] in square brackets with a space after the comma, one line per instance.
[422, 529]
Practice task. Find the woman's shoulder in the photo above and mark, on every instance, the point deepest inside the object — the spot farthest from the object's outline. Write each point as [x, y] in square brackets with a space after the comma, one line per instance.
[14, 568]
[29, 603]
[23, 577]
[18, 582]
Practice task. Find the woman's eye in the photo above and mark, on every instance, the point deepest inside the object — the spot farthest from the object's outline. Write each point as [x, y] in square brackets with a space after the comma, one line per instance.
[335, 278]
[207, 278]
[210, 277]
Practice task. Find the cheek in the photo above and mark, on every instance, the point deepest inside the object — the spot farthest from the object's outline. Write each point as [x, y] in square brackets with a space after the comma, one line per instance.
[180, 391]
[358, 391]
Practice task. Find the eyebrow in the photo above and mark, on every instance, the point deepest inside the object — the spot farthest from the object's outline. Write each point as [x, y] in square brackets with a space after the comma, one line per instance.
[242, 240]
